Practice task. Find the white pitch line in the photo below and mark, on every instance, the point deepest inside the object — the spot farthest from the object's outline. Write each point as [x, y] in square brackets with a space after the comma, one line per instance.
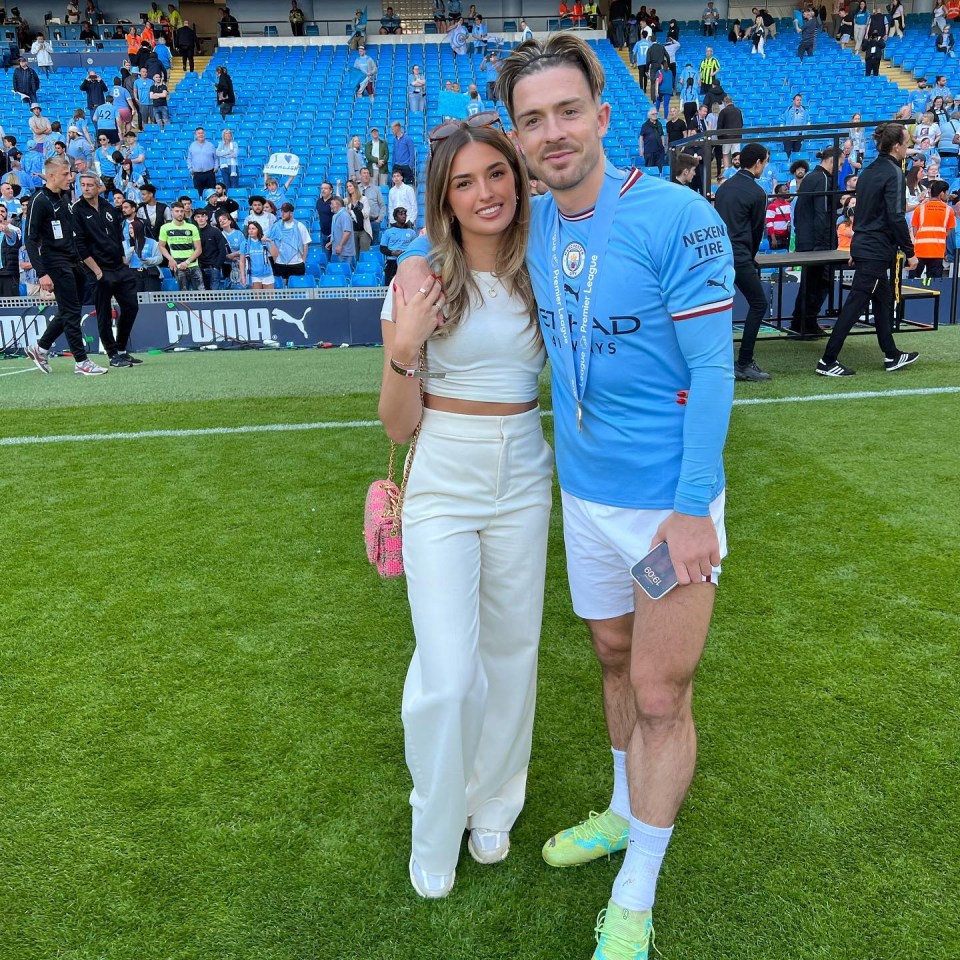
[13, 373]
[857, 395]
[360, 424]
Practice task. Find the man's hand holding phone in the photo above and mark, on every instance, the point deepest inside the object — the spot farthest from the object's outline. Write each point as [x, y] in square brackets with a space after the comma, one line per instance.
[694, 545]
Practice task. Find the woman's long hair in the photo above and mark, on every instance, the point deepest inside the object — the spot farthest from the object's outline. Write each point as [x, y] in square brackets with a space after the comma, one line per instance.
[447, 256]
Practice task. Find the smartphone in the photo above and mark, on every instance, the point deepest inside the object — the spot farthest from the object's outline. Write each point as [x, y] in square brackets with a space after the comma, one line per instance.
[654, 573]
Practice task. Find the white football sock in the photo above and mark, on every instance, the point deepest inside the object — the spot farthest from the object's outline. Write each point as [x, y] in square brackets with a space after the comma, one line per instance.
[620, 803]
[636, 883]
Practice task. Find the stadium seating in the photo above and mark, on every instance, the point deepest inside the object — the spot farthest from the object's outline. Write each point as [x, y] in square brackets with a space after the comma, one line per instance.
[308, 93]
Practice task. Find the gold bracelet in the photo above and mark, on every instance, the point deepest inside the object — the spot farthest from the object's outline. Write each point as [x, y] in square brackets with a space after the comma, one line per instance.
[414, 372]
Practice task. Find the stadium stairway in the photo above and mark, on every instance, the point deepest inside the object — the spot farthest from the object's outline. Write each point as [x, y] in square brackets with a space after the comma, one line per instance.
[177, 74]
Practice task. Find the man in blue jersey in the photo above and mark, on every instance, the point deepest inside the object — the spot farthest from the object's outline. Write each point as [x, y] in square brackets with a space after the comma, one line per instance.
[796, 115]
[642, 385]
[638, 57]
[920, 98]
[141, 98]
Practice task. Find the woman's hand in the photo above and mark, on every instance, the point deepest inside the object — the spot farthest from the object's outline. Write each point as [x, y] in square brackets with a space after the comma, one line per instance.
[417, 319]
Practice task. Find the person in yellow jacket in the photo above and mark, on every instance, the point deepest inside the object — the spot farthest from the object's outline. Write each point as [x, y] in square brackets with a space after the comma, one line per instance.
[932, 222]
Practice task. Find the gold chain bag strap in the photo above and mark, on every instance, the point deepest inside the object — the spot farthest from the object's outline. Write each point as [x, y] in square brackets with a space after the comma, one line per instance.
[384, 507]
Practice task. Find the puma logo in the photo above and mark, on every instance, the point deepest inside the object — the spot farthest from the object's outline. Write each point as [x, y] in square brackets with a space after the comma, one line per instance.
[722, 284]
[277, 314]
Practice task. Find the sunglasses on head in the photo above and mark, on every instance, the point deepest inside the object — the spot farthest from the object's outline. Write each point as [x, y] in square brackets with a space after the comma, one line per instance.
[486, 118]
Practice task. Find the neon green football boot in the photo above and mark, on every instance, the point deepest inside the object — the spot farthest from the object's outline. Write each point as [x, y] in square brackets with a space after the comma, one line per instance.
[600, 835]
[623, 934]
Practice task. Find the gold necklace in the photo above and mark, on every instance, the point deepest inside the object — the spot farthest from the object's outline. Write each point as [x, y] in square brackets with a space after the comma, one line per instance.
[491, 290]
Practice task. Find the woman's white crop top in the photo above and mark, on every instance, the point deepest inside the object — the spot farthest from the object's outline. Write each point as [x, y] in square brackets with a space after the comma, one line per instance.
[494, 354]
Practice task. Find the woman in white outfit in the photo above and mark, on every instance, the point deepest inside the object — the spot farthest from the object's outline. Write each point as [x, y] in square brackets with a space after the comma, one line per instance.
[477, 503]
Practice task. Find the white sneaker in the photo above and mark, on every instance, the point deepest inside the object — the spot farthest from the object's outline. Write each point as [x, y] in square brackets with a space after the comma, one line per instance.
[488, 846]
[430, 886]
[87, 368]
[40, 357]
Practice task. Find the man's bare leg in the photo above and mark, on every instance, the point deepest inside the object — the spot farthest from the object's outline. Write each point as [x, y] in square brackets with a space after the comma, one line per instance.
[600, 836]
[668, 641]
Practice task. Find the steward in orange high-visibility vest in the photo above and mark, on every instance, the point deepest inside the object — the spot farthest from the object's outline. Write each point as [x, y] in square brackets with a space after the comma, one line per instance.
[932, 222]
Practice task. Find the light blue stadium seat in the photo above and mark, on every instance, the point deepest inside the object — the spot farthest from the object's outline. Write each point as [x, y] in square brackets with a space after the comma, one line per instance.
[301, 282]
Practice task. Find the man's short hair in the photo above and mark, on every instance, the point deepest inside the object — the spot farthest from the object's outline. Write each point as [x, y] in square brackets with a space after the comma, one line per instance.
[56, 161]
[256, 198]
[183, 198]
[752, 154]
[90, 175]
[558, 50]
[831, 153]
[149, 188]
[287, 206]
[938, 188]
[175, 204]
[684, 162]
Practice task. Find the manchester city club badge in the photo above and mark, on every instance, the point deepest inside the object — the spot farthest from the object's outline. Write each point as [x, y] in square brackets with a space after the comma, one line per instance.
[574, 257]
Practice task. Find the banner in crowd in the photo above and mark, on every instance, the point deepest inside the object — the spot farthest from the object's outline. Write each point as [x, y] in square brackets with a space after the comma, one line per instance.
[296, 323]
[450, 104]
[282, 165]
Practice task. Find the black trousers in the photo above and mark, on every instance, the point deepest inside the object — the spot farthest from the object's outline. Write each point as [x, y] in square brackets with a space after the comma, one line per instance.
[815, 282]
[805, 47]
[931, 266]
[147, 279]
[119, 284]
[287, 270]
[792, 146]
[68, 282]
[872, 68]
[186, 53]
[747, 281]
[871, 284]
[642, 76]
[10, 286]
[206, 180]
[689, 114]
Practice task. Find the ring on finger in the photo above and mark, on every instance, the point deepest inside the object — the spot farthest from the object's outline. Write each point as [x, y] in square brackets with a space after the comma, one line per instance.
[423, 291]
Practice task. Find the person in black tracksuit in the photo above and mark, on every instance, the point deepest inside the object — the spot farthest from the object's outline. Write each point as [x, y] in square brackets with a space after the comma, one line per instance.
[741, 204]
[657, 60]
[99, 231]
[52, 249]
[873, 54]
[880, 233]
[814, 227]
[213, 249]
[9, 256]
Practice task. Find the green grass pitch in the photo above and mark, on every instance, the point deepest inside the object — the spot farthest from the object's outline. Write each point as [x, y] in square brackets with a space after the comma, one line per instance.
[201, 753]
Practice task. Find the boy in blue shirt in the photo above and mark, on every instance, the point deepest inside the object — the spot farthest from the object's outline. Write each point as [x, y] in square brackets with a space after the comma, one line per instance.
[395, 239]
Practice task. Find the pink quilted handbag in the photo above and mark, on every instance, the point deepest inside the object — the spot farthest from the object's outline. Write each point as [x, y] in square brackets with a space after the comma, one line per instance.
[381, 519]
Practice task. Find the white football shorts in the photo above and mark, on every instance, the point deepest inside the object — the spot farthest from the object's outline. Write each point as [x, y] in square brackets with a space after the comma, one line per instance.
[603, 543]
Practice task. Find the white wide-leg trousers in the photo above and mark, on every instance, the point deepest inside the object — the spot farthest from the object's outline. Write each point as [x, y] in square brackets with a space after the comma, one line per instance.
[475, 522]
